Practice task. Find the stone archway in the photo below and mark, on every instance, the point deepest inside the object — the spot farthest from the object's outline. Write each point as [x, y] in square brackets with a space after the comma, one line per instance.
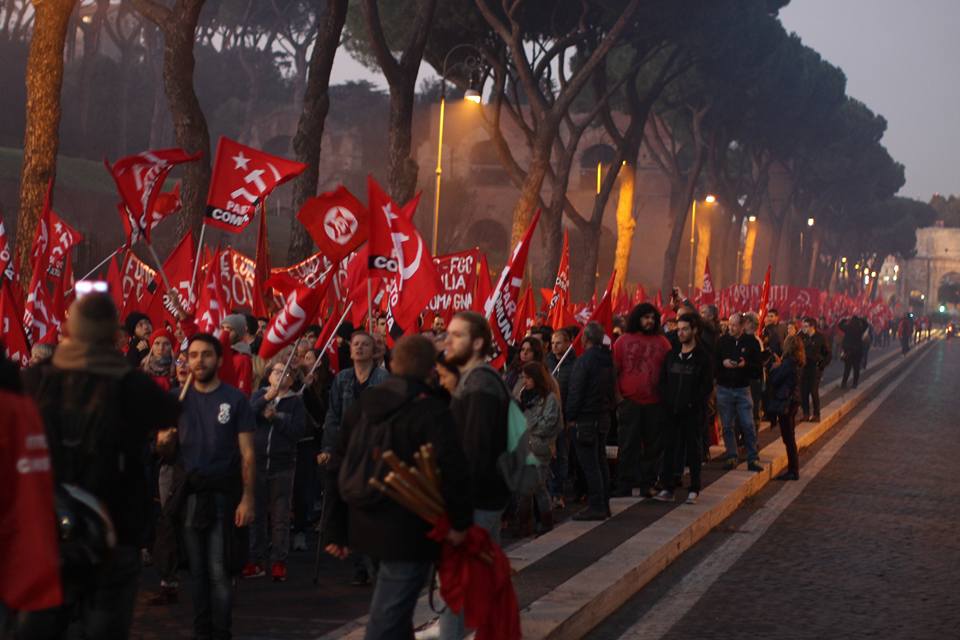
[948, 289]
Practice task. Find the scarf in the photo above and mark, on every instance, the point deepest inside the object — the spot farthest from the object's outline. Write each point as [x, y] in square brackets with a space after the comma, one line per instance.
[99, 359]
[159, 367]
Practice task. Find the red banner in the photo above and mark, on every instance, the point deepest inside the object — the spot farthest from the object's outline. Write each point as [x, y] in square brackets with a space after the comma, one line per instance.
[458, 277]
[137, 280]
[235, 275]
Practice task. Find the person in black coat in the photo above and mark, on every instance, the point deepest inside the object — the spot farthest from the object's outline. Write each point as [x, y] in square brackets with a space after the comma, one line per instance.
[686, 383]
[784, 381]
[385, 530]
[853, 329]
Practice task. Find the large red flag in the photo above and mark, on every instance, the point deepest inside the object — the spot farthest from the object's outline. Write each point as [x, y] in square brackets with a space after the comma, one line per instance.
[484, 288]
[242, 177]
[384, 219]
[138, 284]
[139, 180]
[602, 314]
[179, 269]
[526, 312]
[15, 340]
[501, 308]
[561, 287]
[337, 222]
[51, 242]
[211, 308]
[764, 298]
[261, 270]
[299, 310]
[707, 294]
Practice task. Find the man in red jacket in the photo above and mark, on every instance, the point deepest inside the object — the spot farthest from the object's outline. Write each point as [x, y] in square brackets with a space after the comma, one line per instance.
[241, 358]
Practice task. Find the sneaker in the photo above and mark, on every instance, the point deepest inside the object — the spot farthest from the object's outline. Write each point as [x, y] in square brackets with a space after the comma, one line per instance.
[300, 542]
[589, 514]
[360, 578]
[730, 464]
[692, 497]
[279, 572]
[252, 570]
[664, 496]
[754, 465]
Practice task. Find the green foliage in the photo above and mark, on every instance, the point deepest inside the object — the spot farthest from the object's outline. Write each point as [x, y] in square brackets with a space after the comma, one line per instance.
[948, 209]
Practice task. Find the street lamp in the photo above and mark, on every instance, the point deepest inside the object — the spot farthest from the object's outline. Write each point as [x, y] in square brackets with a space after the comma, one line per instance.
[810, 222]
[752, 219]
[709, 199]
[470, 95]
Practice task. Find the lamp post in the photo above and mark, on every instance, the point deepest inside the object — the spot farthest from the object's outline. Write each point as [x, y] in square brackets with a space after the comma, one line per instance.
[710, 199]
[470, 95]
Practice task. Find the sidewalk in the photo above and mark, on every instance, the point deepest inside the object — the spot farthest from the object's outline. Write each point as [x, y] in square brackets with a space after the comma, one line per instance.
[570, 579]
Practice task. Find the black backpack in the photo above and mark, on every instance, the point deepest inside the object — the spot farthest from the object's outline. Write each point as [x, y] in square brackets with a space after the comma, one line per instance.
[363, 458]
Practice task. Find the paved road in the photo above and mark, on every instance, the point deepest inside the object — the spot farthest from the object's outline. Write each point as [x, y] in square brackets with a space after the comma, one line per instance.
[868, 548]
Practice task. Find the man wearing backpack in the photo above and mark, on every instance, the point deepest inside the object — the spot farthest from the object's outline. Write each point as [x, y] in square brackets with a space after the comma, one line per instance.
[480, 408]
[99, 413]
[399, 415]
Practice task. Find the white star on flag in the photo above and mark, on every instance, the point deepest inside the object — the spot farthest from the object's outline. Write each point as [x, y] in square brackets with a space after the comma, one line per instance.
[240, 161]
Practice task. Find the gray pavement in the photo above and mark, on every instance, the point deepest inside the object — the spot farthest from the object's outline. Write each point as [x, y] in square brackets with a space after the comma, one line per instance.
[867, 549]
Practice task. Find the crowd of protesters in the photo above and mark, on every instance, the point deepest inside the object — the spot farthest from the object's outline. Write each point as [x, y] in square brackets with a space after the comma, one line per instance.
[234, 462]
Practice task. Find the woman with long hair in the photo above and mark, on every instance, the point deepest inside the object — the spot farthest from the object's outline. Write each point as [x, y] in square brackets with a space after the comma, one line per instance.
[784, 382]
[530, 350]
[541, 407]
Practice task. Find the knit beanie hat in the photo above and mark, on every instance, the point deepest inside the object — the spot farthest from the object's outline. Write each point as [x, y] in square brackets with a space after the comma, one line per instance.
[133, 320]
[93, 319]
[237, 322]
[163, 333]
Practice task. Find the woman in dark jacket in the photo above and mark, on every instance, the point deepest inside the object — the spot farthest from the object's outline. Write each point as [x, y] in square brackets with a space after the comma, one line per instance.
[784, 382]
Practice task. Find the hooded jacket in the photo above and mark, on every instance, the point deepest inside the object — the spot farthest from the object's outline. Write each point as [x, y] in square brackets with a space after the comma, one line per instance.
[276, 440]
[388, 531]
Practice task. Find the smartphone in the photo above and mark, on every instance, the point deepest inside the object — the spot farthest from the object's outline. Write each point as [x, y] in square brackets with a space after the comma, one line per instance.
[85, 287]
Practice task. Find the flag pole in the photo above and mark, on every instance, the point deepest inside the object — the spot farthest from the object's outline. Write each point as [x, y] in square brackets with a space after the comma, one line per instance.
[565, 354]
[97, 268]
[331, 338]
[196, 263]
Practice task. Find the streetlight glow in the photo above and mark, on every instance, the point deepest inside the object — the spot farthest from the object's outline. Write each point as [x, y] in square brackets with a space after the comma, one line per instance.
[472, 95]
[710, 199]
[810, 222]
[843, 260]
[752, 219]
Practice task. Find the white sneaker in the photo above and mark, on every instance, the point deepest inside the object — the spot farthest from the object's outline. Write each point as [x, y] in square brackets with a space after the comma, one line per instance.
[692, 497]
[664, 496]
[300, 542]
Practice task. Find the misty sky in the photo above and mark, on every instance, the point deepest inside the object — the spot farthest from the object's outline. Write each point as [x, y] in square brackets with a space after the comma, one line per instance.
[899, 57]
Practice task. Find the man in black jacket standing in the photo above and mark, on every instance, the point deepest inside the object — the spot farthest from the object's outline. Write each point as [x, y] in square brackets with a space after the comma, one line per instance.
[560, 368]
[738, 361]
[590, 400]
[817, 351]
[853, 329]
[687, 384]
[385, 530]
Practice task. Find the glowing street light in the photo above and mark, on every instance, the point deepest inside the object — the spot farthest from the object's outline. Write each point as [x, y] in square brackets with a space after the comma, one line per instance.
[810, 222]
[752, 219]
[472, 95]
[709, 199]
[843, 260]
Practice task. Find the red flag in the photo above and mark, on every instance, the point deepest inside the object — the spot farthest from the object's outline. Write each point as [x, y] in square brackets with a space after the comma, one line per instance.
[38, 317]
[639, 295]
[51, 241]
[501, 308]
[179, 269]
[484, 288]
[6, 256]
[337, 222]
[621, 306]
[658, 301]
[299, 309]
[602, 314]
[211, 308]
[329, 327]
[15, 341]
[526, 311]
[561, 287]
[546, 295]
[261, 270]
[139, 179]
[137, 282]
[114, 283]
[59, 303]
[707, 294]
[242, 177]
[384, 220]
[764, 299]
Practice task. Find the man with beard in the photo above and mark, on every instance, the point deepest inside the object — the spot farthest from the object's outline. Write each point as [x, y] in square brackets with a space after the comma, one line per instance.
[480, 407]
[215, 435]
[638, 357]
[241, 357]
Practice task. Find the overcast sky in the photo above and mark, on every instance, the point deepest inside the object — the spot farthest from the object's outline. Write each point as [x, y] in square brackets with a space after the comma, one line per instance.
[900, 58]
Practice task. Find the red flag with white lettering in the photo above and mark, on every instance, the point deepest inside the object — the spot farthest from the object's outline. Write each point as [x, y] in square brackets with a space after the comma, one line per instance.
[211, 308]
[299, 310]
[242, 177]
[138, 283]
[561, 286]
[179, 270]
[15, 341]
[707, 294]
[139, 179]
[337, 222]
[6, 256]
[501, 308]
[602, 314]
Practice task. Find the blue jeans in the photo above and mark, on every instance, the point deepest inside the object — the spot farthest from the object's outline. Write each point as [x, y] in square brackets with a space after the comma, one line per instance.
[212, 591]
[451, 624]
[735, 406]
[395, 598]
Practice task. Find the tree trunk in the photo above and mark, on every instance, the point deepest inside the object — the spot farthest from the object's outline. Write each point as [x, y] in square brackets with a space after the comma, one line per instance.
[189, 122]
[584, 278]
[783, 251]
[309, 136]
[402, 168]
[160, 113]
[814, 258]
[679, 205]
[44, 77]
[530, 191]
[626, 223]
